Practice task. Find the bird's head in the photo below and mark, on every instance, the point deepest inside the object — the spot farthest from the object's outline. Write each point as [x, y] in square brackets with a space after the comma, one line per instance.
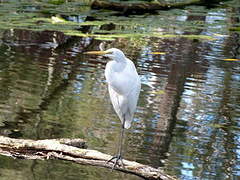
[113, 53]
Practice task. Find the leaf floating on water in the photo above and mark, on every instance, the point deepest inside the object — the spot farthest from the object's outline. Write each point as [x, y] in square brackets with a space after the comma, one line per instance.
[234, 28]
[56, 2]
[231, 59]
[159, 92]
[162, 53]
[105, 38]
[220, 35]
[189, 36]
[56, 19]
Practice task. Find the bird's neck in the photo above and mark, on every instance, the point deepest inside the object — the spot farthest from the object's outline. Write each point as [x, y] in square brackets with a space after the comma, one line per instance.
[118, 66]
[120, 59]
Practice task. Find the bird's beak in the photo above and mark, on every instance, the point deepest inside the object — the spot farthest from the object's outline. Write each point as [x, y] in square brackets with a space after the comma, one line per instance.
[96, 52]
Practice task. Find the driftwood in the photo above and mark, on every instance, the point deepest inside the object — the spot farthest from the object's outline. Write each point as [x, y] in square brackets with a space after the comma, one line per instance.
[141, 7]
[57, 149]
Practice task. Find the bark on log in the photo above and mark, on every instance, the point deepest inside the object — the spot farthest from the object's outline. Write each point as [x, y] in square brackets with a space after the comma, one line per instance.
[54, 149]
[141, 7]
[77, 142]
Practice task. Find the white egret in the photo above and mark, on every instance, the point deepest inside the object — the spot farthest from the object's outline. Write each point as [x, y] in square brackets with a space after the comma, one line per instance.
[124, 88]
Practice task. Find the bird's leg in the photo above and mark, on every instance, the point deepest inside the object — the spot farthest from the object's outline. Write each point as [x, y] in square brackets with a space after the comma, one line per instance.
[118, 157]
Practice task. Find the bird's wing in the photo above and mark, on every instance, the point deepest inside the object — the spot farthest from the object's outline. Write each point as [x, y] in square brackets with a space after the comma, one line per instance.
[125, 106]
[131, 104]
[124, 88]
[132, 97]
[118, 102]
[122, 81]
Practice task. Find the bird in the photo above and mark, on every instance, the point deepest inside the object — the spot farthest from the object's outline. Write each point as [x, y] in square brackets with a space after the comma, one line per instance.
[124, 88]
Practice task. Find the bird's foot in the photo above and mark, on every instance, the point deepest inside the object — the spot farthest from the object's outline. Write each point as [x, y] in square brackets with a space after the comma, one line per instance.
[117, 160]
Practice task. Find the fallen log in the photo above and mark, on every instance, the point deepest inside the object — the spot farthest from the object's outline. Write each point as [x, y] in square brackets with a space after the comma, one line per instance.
[142, 7]
[56, 149]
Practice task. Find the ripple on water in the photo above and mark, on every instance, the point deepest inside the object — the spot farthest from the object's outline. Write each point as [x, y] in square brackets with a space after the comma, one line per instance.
[205, 113]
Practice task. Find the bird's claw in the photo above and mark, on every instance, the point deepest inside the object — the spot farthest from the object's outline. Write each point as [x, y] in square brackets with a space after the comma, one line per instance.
[116, 162]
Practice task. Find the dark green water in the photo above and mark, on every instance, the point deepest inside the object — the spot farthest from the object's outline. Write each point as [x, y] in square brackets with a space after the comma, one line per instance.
[188, 117]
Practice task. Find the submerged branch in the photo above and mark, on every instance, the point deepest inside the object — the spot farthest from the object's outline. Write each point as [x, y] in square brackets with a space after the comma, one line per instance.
[57, 149]
[141, 7]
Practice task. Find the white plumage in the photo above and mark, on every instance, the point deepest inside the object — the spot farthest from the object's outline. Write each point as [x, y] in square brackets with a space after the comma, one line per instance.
[123, 85]
[124, 88]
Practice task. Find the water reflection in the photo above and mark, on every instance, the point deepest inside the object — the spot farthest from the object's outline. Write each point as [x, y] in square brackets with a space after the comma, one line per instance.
[188, 114]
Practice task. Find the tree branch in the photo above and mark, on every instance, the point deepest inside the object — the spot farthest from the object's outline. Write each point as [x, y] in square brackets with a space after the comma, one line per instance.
[55, 149]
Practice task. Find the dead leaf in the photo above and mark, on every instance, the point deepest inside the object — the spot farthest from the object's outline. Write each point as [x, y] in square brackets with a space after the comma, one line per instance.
[162, 53]
[159, 92]
[231, 59]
